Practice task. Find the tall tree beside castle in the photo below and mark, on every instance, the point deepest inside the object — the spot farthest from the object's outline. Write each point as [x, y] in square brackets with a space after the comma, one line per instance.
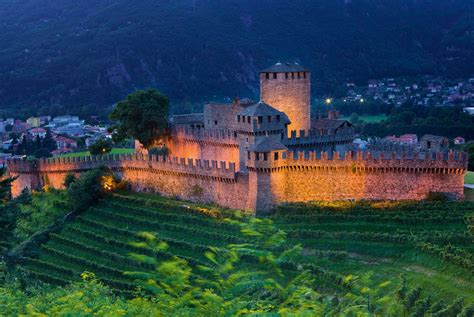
[143, 115]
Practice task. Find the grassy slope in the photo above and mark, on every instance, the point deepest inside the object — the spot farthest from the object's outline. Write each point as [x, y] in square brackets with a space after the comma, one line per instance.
[98, 241]
[114, 151]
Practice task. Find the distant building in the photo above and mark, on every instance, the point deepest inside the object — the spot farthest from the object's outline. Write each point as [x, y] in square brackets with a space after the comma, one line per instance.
[459, 140]
[408, 139]
[65, 120]
[34, 122]
[403, 139]
[20, 126]
[72, 129]
[65, 143]
[38, 132]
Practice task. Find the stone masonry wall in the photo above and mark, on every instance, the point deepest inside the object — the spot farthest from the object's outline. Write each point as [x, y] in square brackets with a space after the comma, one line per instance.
[356, 177]
[196, 180]
[268, 183]
[289, 95]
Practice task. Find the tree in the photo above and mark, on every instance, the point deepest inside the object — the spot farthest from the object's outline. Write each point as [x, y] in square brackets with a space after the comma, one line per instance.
[143, 115]
[70, 178]
[5, 186]
[88, 189]
[102, 146]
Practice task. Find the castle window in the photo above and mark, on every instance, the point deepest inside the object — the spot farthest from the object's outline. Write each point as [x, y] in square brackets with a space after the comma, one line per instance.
[257, 156]
[286, 75]
[278, 118]
[238, 118]
[267, 75]
[298, 75]
[248, 119]
[265, 156]
[274, 75]
[215, 122]
[260, 119]
[269, 119]
[235, 134]
[293, 75]
[248, 155]
[304, 74]
[275, 156]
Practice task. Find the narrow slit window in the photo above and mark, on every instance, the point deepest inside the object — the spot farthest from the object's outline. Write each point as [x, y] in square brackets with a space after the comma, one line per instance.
[275, 156]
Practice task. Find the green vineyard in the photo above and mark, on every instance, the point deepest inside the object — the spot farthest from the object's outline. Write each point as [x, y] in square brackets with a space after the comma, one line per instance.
[428, 245]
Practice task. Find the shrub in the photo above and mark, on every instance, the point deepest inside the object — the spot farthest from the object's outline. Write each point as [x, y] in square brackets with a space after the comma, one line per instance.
[88, 189]
[102, 146]
[69, 179]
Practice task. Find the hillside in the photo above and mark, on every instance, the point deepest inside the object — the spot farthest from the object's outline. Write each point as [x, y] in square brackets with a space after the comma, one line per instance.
[427, 243]
[85, 55]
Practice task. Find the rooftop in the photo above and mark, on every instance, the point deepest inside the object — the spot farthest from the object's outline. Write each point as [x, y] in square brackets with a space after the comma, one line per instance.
[285, 68]
[268, 144]
[262, 109]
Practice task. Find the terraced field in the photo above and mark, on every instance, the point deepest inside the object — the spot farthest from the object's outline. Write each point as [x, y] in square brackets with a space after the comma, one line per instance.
[429, 243]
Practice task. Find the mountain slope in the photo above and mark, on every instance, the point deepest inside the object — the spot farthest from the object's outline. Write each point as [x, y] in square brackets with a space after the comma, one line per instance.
[76, 53]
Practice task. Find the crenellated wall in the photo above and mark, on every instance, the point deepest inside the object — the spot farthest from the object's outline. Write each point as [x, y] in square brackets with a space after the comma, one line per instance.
[313, 176]
[293, 177]
[205, 144]
[197, 180]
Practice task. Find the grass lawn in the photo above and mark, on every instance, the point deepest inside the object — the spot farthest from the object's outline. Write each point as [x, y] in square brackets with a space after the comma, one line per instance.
[469, 178]
[369, 118]
[85, 153]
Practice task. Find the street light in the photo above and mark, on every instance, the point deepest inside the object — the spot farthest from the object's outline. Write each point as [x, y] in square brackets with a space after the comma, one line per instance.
[328, 101]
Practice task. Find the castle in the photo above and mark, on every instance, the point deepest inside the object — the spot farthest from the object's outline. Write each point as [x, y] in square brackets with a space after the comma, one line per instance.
[255, 155]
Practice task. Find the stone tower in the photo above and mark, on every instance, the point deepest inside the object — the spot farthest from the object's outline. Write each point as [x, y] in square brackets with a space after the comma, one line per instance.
[287, 87]
[256, 122]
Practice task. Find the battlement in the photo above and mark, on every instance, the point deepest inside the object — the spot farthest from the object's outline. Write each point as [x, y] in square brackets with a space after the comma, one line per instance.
[424, 162]
[221, 136]
[308, 138]
[204, 168]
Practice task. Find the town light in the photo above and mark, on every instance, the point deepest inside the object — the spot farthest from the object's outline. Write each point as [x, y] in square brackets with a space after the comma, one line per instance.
[328, 101]
[362, 100]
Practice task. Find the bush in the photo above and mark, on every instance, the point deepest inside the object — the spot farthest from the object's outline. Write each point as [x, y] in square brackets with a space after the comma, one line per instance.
[88, 189]
[100, 147]
[70, 178]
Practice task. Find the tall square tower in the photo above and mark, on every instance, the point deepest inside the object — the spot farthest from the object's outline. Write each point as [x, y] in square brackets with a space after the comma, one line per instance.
[287, 88]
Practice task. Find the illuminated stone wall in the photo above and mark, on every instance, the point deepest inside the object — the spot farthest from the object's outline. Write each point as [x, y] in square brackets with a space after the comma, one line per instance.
[354, 177]
[289, 95]
[220, 145]
[266, 183]
[196, 180]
